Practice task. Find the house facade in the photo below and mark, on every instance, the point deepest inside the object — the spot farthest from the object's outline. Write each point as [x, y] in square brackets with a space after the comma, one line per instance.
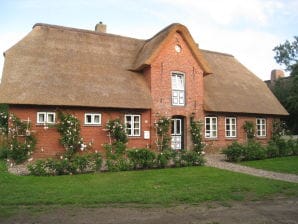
[98, 76]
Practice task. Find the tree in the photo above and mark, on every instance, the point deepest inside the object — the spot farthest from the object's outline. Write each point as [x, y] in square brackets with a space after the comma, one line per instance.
[287, 90]
[287, 54]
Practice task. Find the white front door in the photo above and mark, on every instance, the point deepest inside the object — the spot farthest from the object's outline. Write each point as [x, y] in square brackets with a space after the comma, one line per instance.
[176, 132]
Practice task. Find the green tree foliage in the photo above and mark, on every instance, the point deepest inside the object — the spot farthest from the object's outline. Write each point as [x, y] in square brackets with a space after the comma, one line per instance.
[287, 90]
[287, 53]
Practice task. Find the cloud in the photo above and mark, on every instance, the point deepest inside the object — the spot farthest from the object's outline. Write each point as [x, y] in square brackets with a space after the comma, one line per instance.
[229, 11]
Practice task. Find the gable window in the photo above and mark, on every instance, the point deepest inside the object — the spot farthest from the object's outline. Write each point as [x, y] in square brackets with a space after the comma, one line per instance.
[261, 127]
[46, 117]
[178, 89]
[211, 127]
[92, 119]
[133, 124]
[231, 127]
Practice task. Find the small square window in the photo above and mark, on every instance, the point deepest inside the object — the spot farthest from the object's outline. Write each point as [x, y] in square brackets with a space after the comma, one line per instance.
[50, 118]
[46, 117]
[92, 119]
[211, 127]
[41, 118]
[133, 125]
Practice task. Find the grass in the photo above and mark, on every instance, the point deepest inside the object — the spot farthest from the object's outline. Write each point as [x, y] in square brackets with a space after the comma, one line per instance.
[164, 187]
[282, 164]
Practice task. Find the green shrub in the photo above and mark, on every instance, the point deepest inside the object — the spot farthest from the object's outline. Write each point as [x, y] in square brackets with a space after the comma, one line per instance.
[191, 158]
[115, 150]
[295, 148]
[196, 135]
[39, 168]
[116, 130]
[234, 152]
[163, 158]
[4, 152]
[119, 164]
[272, 149]
[188, 158]
[141, 158]
[78, 164]
[249, 128]
[254, 151]
[283, 147]
[70, 136]
[291, 147]
[162, 127]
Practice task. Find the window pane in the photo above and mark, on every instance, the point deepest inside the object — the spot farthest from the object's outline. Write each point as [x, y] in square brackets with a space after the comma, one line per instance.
[136, 119]
[172, 127]
[88, 119]
[178, 127]
[180, 82]
[51, 118]
[96, 119]
[136, 132]
[41, 118]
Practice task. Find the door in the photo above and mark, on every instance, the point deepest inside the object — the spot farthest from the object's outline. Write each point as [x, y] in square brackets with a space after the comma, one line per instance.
[177, 133]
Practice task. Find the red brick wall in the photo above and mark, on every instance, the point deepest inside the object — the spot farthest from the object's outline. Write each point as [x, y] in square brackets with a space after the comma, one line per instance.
[48, 139]
[159, 77]
[222, 141]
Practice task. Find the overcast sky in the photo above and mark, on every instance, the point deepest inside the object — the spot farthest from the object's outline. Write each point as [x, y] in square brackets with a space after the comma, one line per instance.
[247, 29]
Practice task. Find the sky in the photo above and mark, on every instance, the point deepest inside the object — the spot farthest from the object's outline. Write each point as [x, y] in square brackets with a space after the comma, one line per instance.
[247, 29]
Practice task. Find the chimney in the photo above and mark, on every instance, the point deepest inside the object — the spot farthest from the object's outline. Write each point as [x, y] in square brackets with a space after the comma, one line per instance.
[101, 28]
[276, 74]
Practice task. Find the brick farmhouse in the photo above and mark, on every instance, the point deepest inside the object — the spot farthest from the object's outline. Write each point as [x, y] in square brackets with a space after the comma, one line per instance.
[99, 76]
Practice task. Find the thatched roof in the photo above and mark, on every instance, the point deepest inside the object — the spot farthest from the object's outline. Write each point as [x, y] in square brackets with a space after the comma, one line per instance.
[56, 65]
[233, 88]
[153, 46]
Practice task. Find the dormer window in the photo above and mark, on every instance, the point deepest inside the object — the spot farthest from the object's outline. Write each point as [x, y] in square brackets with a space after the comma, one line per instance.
[178, 89]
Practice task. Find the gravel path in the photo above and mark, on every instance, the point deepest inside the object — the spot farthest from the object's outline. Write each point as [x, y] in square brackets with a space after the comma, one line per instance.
[218, 161]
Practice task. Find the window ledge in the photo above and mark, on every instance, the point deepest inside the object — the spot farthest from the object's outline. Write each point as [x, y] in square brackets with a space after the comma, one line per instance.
[211, 139]
[92, 125]
[231, 138]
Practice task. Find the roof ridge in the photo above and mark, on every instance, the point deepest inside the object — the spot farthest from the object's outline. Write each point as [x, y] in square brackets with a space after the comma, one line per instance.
[164, 29]
[82, 30]
[217, 52]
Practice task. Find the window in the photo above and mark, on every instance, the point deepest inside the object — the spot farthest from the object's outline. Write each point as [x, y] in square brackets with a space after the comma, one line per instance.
[178, 93]
[46, 117]
[92, 119]
[211, 127]
[231, 127]
[261, 127]
[133, 125]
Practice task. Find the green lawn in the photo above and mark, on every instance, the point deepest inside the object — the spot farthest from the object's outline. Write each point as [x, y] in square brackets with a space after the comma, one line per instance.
[282, 164]
[164, 187]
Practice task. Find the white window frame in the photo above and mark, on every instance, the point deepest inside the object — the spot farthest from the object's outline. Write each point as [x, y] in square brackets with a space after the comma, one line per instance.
[178, 91]
[210, 133]
[132, 125]
[46, 118]
[232, 127]
[261, 127]
[93, 115]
